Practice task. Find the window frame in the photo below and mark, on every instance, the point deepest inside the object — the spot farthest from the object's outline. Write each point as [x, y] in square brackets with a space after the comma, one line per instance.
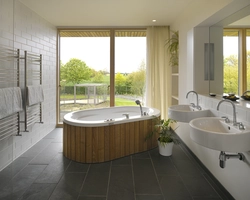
[112, 32]
[242, 56]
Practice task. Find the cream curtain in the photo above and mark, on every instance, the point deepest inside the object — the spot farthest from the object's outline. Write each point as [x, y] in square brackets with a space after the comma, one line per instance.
[158, 84]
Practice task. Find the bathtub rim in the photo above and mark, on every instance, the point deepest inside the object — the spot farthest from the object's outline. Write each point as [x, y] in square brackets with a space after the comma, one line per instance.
[81, 123]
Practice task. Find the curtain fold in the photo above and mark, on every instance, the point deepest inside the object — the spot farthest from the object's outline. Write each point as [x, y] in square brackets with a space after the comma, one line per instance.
[158, 84]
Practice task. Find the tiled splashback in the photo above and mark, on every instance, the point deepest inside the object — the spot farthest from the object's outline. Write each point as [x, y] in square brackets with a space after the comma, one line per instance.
[225, 109]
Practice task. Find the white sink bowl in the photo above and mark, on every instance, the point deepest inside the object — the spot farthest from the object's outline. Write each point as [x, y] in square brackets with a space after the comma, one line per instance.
[185, 113]
[214, 133]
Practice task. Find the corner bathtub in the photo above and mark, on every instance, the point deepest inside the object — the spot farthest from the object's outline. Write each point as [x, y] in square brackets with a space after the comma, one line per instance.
[99, 135]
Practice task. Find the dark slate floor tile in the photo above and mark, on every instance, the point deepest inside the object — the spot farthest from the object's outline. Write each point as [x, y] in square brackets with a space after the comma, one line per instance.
[173, 188]
[11, 170]
[179, 154]
[198, 186]
[145, 177]
[222, 192]
[149, 197]
[69, 186]
[143, 155]
[78, 167]
[21, 182]
[37, 148]
[54, 170]
[91, 198]
[121, 183]
[207, 198]
[163, 164]
[46, 156]
[56, 135]
[122, 161]
[187, 167]
[96, 182]
[39, 191]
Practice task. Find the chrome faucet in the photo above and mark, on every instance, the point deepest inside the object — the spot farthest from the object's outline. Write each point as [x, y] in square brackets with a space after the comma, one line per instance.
[197, 101]
[234, 110]
[126, 115]
[139, 103]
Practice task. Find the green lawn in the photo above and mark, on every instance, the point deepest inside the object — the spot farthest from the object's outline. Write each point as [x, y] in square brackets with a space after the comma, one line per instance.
[118, 101]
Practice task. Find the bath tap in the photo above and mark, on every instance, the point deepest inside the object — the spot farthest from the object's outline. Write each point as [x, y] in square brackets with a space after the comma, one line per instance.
[126, 115]
[197, 101]
[139, 103]
[234, 110]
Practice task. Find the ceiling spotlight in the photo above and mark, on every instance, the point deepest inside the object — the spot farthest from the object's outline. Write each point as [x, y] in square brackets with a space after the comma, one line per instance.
[154, 20]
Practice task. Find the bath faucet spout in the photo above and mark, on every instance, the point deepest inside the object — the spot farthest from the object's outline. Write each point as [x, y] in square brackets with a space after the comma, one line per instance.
[197, 101]
[234, 110]
[139, 103]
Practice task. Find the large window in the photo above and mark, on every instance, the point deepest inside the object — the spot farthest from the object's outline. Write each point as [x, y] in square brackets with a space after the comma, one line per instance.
[100, 68]
[236, 51]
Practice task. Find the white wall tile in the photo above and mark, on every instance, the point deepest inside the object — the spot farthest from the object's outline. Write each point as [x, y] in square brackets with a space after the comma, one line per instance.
[35, 35]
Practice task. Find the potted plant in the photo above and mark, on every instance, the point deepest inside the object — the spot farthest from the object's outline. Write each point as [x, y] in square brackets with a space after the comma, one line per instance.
[166, 139]
[173, 48]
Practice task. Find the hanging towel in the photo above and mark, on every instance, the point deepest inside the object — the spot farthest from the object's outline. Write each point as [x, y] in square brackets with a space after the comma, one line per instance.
[10, 101]
[34, 95]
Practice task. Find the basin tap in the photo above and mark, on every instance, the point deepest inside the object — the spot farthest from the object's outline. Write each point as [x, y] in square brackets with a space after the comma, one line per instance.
[139, 103]
[197, 101]
[234, 110]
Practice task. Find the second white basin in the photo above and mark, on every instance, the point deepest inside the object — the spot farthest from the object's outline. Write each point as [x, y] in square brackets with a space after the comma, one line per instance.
[214, 133]
[185, 113]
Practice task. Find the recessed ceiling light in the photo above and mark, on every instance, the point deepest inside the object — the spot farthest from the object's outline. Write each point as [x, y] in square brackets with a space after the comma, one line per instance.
[154, 20]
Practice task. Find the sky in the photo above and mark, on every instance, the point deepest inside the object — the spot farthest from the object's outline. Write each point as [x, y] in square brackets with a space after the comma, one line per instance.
[95, 52]
[230, 46]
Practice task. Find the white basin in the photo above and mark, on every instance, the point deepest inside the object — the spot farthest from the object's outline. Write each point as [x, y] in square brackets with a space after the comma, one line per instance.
[185, 113]
[214, 133]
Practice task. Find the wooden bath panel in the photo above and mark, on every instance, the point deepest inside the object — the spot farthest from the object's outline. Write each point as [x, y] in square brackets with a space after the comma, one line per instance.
[100, 144]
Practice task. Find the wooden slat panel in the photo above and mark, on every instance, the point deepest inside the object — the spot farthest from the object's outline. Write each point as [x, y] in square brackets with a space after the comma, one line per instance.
[117, 140]
[95, 144]
[131, 138]
[137, 129]
[88, 144]
[106, 143]
[73, 142]
[127, 140]
[65, 126]
[78, 144]
[111, 142]
[101, 143]
[123, 139]
[102, 33]
[83, 144]
[68, 141]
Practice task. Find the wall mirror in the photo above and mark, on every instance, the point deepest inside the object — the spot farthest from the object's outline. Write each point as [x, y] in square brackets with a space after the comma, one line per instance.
[239, 19]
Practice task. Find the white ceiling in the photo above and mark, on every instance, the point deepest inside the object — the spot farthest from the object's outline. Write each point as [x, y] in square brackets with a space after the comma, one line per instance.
[108, 12]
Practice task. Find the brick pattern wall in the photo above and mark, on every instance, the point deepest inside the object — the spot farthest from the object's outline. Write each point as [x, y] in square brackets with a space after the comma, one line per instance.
[21, 28]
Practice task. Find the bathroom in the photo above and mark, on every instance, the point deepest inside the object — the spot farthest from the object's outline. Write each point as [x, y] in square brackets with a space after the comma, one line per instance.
[24, 29]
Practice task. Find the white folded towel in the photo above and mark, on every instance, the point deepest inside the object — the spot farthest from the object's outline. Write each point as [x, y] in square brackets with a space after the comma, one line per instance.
[34, 95]
[10, 101]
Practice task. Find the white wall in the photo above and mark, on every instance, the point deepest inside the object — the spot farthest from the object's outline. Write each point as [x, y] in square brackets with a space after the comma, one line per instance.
[235, 177]
[23, 29]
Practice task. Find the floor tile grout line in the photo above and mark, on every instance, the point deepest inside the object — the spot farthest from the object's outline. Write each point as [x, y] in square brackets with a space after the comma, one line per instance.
[110, 167]
[158, 181]
[60, 179]
[83, 180]
[133, 175]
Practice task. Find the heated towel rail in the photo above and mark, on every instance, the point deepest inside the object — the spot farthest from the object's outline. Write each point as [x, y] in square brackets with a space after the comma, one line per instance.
[9, 84]
[33, 77]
